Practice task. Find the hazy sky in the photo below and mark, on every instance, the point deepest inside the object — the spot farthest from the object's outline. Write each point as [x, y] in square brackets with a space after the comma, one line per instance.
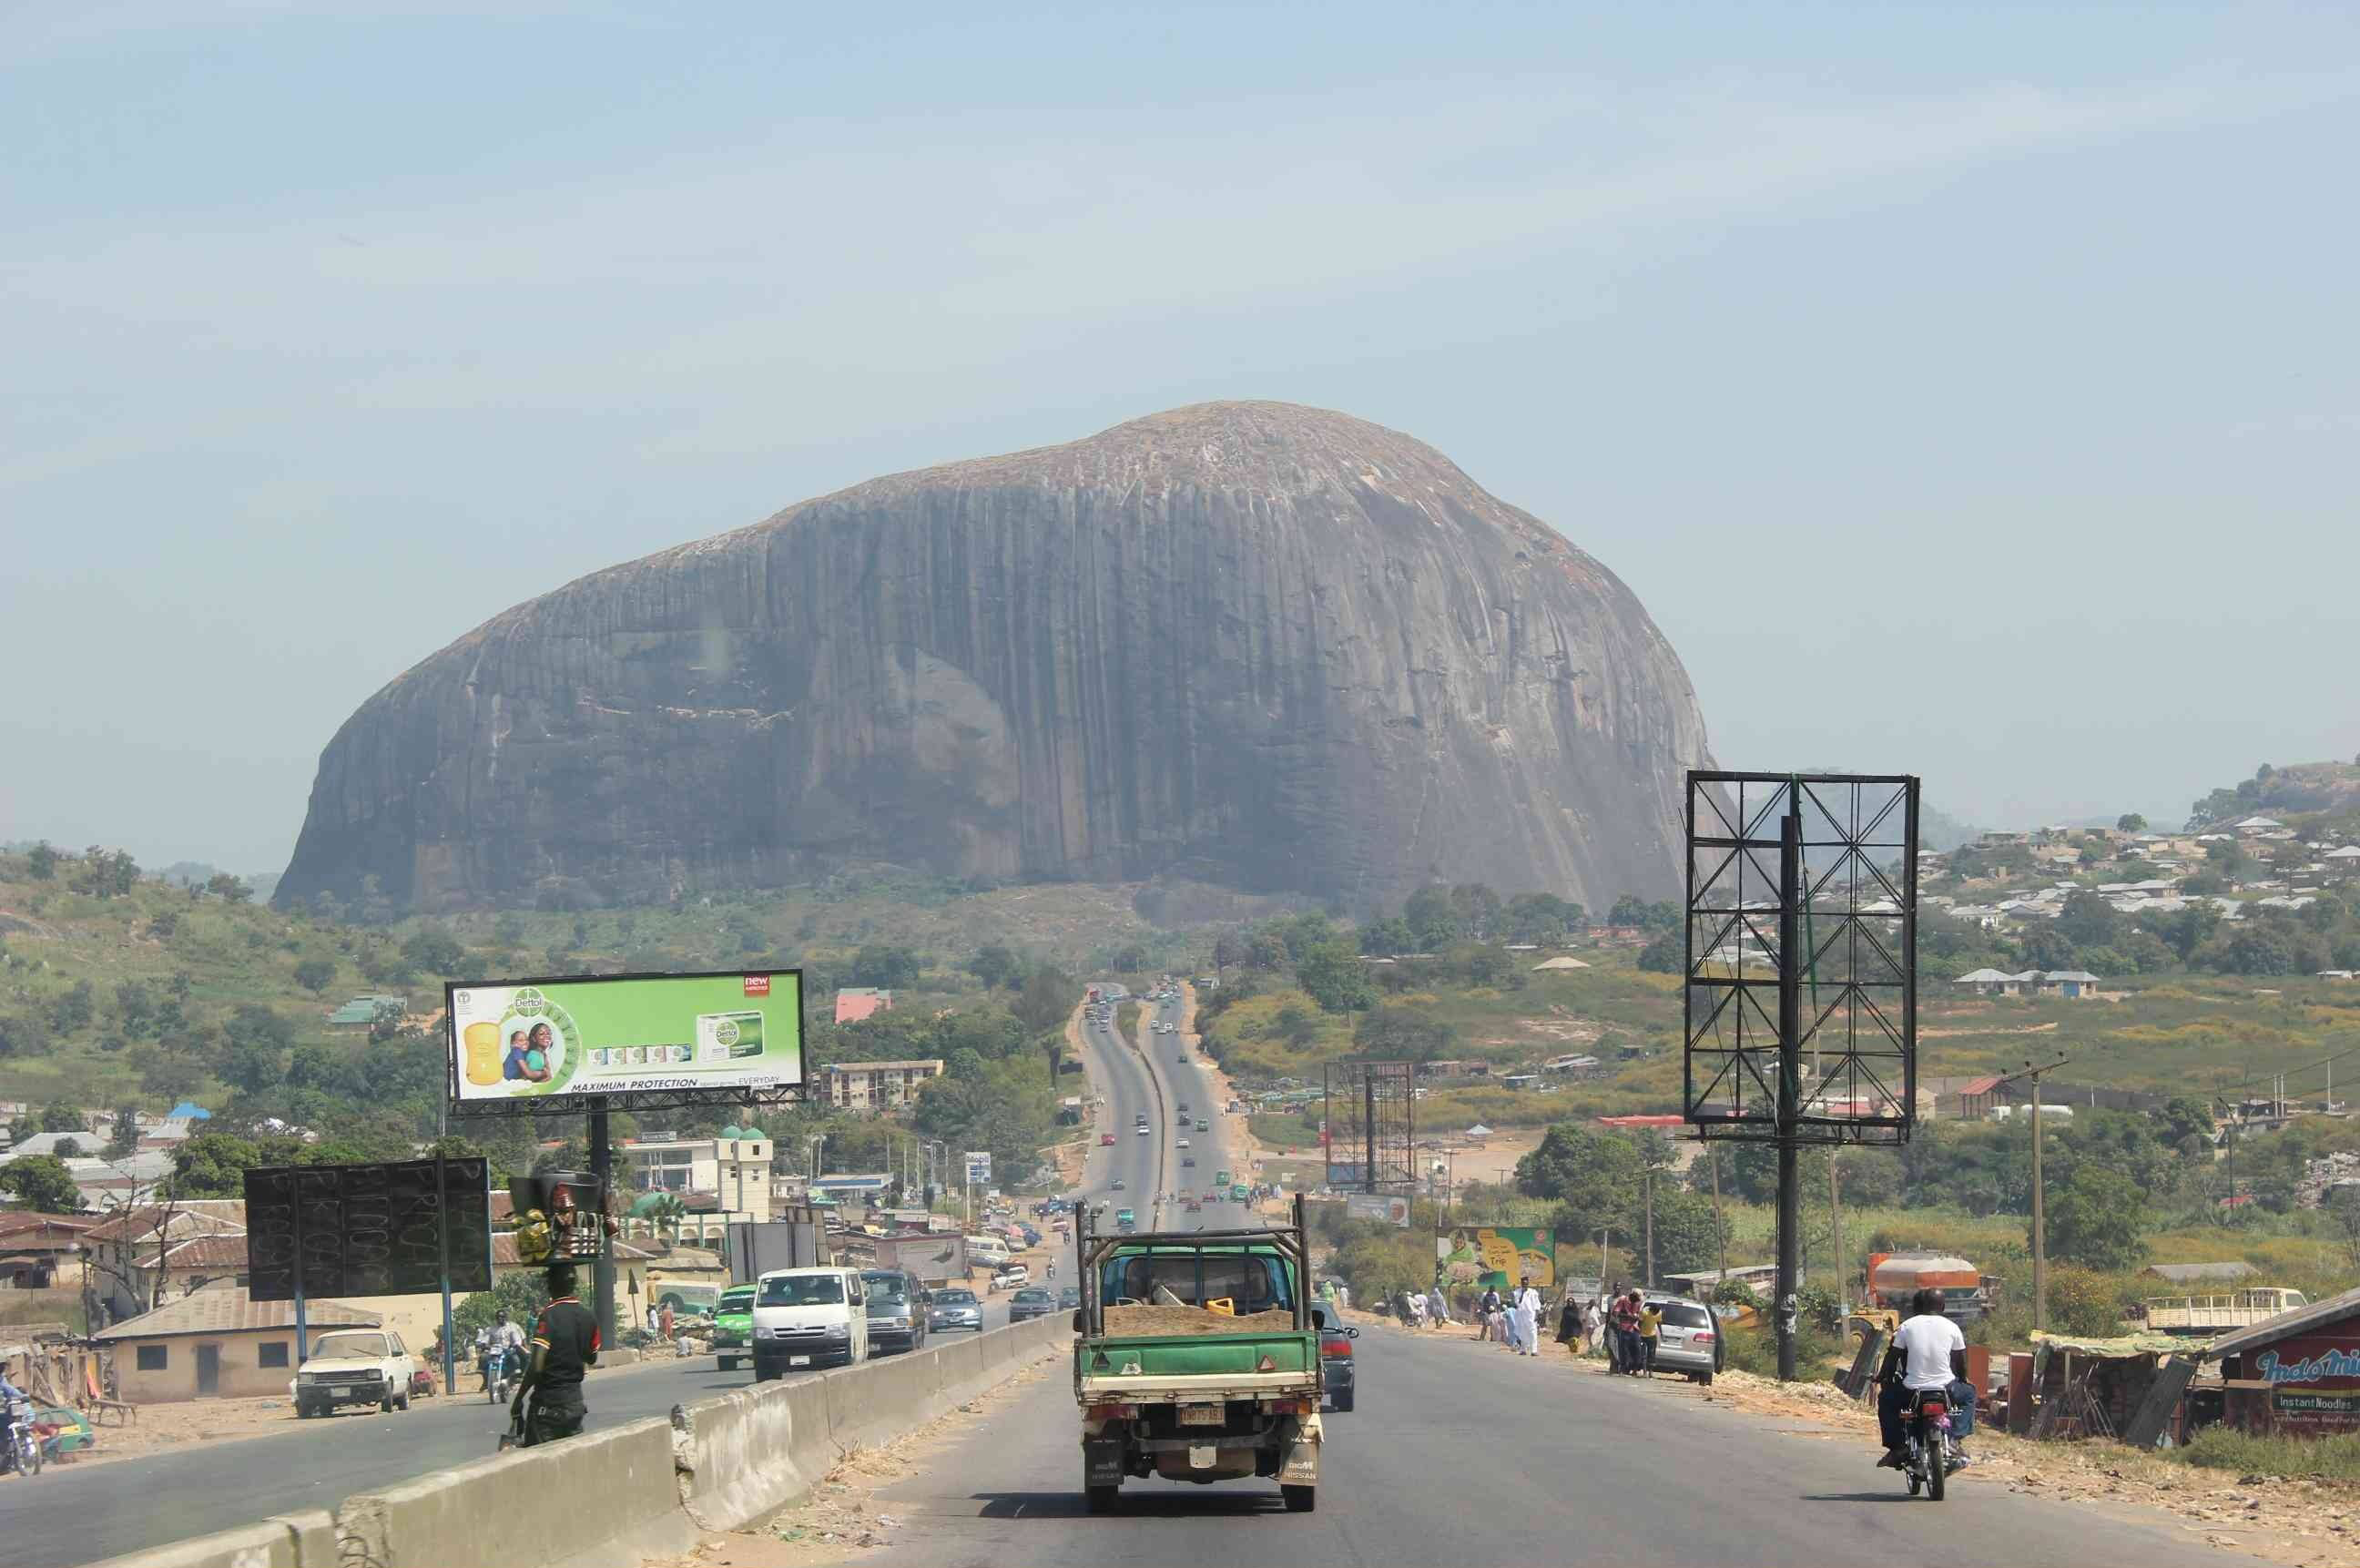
[1969, 391]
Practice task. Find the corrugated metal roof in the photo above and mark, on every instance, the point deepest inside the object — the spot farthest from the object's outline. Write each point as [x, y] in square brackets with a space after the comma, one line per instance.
[2271, 1330]
[226, 1309]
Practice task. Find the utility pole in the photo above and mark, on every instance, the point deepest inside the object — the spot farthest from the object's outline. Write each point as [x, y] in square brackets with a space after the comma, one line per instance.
[1719, 1229]
[1649, 1182]
[1835, 1237]
[2040, 1199]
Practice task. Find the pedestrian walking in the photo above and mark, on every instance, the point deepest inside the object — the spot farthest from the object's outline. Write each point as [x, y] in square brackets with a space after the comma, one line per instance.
[1528, 1318]
[1650, 1325]
[1487, 1314]
[1623, 1324]
[1569, 1323]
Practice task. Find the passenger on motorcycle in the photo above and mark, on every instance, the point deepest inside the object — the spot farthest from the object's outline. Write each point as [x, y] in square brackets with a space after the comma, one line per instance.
[14, 1403]
[1929, 1353]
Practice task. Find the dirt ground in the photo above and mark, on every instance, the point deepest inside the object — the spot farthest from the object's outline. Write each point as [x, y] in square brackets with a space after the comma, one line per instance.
[2293, 1522]
[841, 1518]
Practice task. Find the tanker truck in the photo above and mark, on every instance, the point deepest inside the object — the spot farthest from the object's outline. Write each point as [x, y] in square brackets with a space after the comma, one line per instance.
[1894, 1278]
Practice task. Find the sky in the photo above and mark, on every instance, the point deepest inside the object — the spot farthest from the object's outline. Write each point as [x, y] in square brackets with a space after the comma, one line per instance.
[1966, 390]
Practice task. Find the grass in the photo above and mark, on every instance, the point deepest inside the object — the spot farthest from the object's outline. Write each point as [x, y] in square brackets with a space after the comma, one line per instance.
[2316, 1459]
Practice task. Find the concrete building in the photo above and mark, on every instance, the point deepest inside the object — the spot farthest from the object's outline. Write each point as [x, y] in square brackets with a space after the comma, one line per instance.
[876, 1085]
[736, 1169]
[217, 1345]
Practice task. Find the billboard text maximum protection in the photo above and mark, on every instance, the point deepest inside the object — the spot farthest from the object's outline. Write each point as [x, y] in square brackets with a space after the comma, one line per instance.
[625, 1034]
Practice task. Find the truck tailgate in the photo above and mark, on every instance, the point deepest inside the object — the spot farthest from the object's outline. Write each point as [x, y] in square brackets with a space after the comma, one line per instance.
[1197, 1367]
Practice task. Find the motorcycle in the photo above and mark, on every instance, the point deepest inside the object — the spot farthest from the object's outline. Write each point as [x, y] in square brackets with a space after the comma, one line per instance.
[23, 1443]
[1933, 1452]
[500, 1373]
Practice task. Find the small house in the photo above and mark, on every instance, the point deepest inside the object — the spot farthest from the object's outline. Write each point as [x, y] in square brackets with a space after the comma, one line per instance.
[216, 1344]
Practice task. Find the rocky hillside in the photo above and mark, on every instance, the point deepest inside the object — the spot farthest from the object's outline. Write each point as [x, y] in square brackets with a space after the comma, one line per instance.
[1254, 644]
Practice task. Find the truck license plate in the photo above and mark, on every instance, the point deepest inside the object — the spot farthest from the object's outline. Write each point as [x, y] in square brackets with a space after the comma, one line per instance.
[1202, 1415]
[799, 1361]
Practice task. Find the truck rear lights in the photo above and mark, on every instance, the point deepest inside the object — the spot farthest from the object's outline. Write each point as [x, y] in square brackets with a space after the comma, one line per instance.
[1114, 1412]
[1290, 1407]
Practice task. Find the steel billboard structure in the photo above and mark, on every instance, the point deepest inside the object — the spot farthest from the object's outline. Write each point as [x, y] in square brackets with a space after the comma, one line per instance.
[1800, 971]
[1369, 1126]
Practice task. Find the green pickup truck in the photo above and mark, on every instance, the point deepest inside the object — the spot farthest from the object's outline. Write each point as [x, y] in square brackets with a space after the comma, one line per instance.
[1196, 1360]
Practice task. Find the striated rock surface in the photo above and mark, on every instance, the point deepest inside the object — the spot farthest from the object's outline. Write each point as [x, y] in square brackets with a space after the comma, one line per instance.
[1252, 643]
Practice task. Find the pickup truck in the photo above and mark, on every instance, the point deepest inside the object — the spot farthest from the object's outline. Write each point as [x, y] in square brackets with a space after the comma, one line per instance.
[1196, 1360]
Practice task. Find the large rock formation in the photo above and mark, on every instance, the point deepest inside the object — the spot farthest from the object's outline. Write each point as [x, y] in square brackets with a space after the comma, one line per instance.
[1250, 643]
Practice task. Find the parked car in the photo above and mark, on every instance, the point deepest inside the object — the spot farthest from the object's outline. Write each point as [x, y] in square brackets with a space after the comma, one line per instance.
[352, 1367]
[1335, 1365]
[1035, 1302]
[897, 1313]
[956, 1307]
[1690, 1341]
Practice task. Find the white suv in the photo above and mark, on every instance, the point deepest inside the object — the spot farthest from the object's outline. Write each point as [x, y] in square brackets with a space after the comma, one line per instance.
[352, 1367]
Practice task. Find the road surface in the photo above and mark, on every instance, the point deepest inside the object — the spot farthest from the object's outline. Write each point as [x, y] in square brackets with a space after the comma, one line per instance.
[1148, 1076]
[71, 1515]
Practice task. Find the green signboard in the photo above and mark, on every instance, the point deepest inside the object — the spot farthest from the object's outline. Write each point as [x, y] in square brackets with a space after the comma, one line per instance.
[623, 1034]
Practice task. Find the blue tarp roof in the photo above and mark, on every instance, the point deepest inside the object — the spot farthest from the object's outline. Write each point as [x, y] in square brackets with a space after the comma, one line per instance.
[191, 1110]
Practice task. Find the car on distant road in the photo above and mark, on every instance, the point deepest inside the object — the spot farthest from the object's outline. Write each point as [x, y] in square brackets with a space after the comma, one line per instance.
[1188, 1162]
[1335, 1364]
[1118, 1187]
[733, 1325]
[1203, 1125]
[1069, 1298]
[1183, 1143]
[1031, 1303]
[955, 1307]
[1106, 1140]
[1142, 1129]
[1689, 1341]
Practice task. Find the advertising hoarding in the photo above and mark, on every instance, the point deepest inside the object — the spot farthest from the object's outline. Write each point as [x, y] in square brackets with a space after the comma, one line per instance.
[1383, 1207]
[381, 1229]
[1498, 1256]
[516, 1041]
[978, 1166]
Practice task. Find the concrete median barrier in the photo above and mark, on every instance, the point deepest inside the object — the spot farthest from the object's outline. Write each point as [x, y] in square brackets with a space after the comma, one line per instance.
[605, 1496]
[645, 1488]
[284, 1541]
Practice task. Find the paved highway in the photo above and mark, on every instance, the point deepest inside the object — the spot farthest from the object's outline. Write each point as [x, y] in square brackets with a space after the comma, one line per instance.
[1457, 1452]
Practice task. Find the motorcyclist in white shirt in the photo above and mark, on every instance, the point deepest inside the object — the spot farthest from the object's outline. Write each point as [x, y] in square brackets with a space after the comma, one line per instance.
[1928, 1352]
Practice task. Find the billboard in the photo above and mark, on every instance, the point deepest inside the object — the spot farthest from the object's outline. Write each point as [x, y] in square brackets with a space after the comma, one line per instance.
[1498, 1256]
[978, 1166]
[622, 1035]
[368, 1230]
[1383, 1207]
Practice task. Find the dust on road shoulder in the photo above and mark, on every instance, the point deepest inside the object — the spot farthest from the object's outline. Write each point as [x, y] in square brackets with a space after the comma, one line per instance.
[841, 1520]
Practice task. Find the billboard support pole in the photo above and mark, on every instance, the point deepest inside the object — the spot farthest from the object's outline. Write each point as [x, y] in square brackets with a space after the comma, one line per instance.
[1790, 1029]
[601, 1165]
[442, 1235]
[302, 1336]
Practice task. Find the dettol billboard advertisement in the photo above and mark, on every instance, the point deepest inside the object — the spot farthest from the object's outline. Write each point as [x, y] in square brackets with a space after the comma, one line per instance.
[1499, 1256]
[623, 1034]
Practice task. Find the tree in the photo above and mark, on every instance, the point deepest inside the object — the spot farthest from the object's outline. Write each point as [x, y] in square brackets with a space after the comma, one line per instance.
[2255, 948]
[1332, 974]
[1541, 917]
[1664, 954]
[42, 862]
[23, 1035]
[315, 974]
[68, 1148]
[1594, 1178]
[72, 1009]
[135, 1008]
[1296, 1026]
[58, 1116]
[2047, 947]
[2130, 822]
[1477, 909]
[886, 967]
[1266, 950]
[2088, 921]
[106, 874]
[42, 1183]
[1383, 939]
[997, 965]
[222, 884]
[1430, 917]
[1230, 951]
[1401, 1034]
[1129, 958]
[2097, 1220]
[1047, 997]
[1688, 1234]
[125, 1139]
[431, 949]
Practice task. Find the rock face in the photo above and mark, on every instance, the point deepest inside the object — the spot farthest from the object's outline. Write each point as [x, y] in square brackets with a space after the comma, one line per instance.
[1250, 643]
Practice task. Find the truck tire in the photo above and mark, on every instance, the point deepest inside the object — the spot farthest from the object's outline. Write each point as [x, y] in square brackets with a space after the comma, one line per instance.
[728, 1363]
[1300, 1499]
[1099, 1500]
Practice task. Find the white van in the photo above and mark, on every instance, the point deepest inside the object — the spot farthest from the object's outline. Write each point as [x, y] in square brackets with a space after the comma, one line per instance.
[809, 1317]
[988, 1250]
